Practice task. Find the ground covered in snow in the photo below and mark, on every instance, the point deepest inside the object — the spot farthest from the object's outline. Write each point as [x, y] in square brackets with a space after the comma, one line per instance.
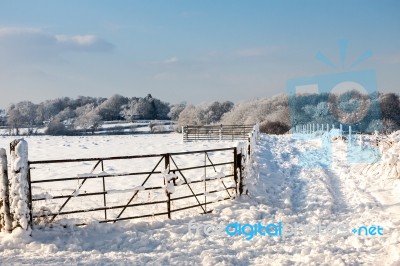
[283, 188]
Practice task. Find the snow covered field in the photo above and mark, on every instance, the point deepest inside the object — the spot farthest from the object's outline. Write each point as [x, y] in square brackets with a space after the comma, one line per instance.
[108, 127]
[342, 198]
[48, 147]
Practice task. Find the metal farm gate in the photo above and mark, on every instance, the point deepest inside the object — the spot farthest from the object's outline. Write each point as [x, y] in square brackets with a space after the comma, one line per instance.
[77, 191]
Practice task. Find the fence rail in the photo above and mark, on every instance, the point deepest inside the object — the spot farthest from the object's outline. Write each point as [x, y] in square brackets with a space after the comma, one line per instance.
[338, 130]
[216, 132]
[167, 175]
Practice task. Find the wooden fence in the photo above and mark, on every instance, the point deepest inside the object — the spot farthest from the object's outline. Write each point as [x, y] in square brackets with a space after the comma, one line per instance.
[345, 132]
[216, 132]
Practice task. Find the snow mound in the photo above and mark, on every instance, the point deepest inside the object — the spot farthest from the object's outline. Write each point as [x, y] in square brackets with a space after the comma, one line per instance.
[388, 165]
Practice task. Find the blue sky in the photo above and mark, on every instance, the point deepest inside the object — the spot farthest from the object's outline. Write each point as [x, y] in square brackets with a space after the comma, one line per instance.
[192, 51]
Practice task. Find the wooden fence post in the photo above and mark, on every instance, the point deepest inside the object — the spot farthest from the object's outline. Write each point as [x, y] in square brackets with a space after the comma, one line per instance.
[184, 133]
[350, 135]
[249, 145]
[5, 216]
[20, 195]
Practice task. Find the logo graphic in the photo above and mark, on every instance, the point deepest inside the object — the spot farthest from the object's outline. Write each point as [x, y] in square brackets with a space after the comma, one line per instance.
[283, 230]
[368, 231]
[327, 106]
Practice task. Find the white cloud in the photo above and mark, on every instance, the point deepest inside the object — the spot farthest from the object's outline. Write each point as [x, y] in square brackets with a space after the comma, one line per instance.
[84, 40]
[35, 43]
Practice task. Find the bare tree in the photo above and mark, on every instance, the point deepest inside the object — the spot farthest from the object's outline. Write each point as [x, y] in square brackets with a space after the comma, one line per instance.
[214, 111]
[390, 107]
[191, 115]
[88, 119]
[14, 119]
[251, 112]
[21, 114]
[176, 110]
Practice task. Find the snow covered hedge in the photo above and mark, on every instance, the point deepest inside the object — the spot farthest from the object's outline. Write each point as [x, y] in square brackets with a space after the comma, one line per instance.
[390, 161]
[388, 165]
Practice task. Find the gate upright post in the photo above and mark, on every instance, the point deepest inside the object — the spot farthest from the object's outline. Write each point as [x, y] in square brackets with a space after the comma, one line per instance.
[20, 193]
[104, 191]
[237, 161]
[5, 216]
[235, 175]
[166, 159]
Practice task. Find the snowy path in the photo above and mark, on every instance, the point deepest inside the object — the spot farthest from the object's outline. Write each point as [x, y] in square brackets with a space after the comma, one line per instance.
[279, 191]
[336, 196]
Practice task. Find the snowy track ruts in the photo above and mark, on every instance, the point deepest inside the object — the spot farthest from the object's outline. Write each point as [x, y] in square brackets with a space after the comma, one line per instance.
[333, 195]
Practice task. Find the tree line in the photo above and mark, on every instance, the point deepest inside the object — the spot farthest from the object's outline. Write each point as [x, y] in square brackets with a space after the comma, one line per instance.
[378, 111]
[366, 113]
[86, 113]
[62, 116]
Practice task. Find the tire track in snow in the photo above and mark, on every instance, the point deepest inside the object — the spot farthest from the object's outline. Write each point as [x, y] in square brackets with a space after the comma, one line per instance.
[355, 195]
[304, 190]
[310, 193]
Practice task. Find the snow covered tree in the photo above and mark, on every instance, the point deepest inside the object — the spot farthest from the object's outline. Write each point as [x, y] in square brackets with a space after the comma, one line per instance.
[176, 110]
[110, 109]
[145, 108]
[65, 115]
[3, 117]
[390, 107]
[251, 112]
[214, 111]
[137, 108]
[57, 128]
[319, 113]
[389, 125]
[191, 115]
[349, 107]
[20, 115]
[88, 118]
[49, 109]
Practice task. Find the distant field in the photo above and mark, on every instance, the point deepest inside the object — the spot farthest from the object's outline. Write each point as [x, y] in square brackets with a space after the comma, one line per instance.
[109, 127]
